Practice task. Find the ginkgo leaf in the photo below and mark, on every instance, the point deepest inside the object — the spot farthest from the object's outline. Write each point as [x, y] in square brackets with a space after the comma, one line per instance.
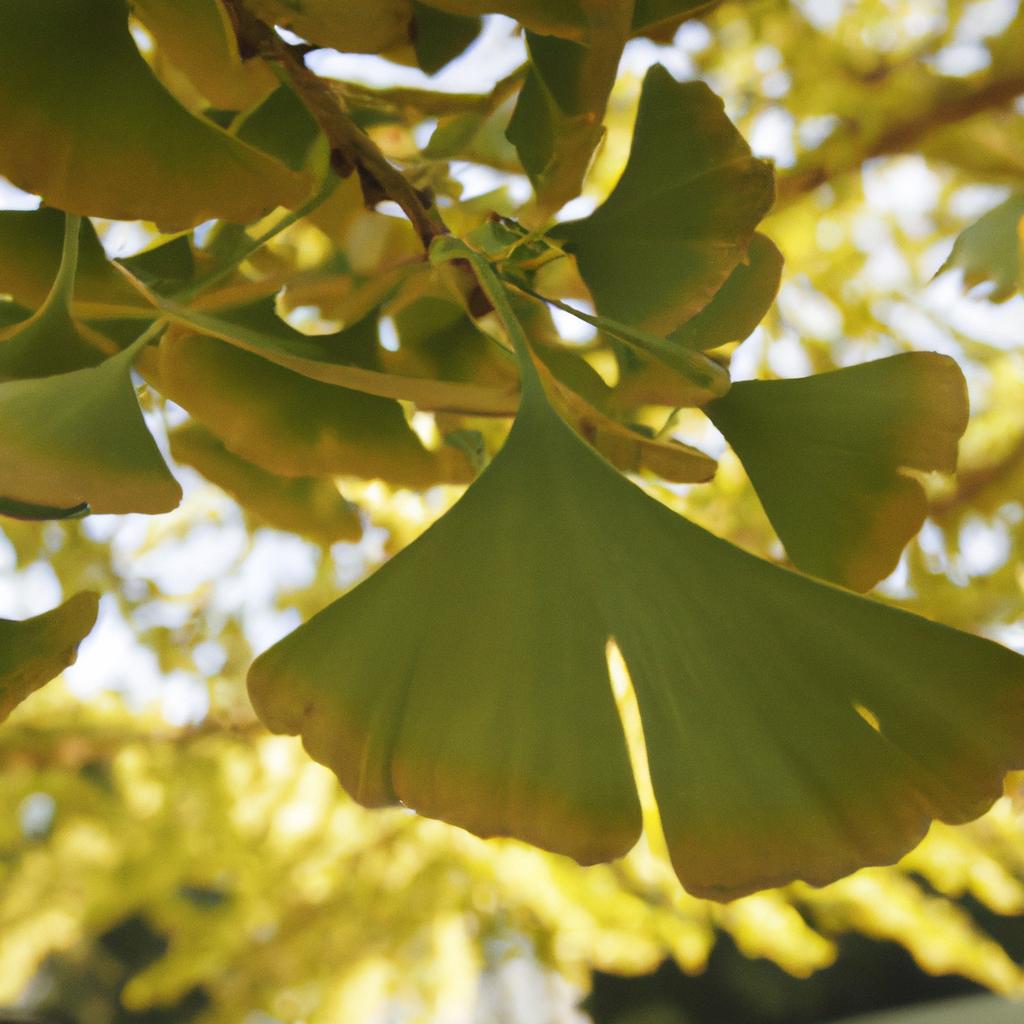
[79, 438]
[467, 679]
[30, 255]
[34, 651]
[650, 14]
[680, 218]
[440, 37]
[253, 329]
[49, 342]
[991, 250]
[826, 456]
[351, 26]
[307, 506]
[557, 121]
[198, 38]
[87, 126]
[741, 303]
[296, 427]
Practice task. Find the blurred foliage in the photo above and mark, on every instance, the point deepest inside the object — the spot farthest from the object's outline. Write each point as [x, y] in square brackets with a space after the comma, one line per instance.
[157, 847]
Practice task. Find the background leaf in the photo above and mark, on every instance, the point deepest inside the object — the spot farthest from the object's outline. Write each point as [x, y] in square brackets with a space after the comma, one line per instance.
[35, 650]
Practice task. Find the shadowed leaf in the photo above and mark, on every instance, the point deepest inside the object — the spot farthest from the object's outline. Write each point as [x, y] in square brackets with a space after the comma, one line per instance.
[439, 37]
[88, 126]
[257, 329]
[34, 651]
[749, 680]
[306, 506]
[351, 26]
[826, 455]
[30, 255]
[557, 121]
[681, 216]
[741, 303]
[297, 427]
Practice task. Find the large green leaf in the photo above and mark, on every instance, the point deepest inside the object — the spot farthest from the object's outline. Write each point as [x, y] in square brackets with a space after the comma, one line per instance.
[35, 650]
[79, 438]
[467, 679]
[87, 125]
[310, 507]
[297, 427]
[992, 249]
[681, 216]
[826, 455]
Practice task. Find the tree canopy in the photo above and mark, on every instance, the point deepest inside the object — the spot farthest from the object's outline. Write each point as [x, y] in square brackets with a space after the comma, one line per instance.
[515, 403]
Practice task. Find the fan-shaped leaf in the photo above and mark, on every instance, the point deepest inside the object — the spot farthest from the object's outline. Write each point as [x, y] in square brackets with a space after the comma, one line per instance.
[79, 438]
[87, 126]
[826, 455]
[681, 216]
[490, 705]
[35, 650]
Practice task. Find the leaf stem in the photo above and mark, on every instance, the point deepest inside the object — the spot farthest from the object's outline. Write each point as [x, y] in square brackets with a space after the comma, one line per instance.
[249, 247]
[494, 288]
[696, 367]
[58, 301]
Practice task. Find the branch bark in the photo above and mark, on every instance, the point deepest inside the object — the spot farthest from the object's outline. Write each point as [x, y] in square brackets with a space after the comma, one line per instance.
[351, 148]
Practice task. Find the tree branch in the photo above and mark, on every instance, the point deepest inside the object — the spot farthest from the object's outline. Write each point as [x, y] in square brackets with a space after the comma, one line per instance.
[351, 148]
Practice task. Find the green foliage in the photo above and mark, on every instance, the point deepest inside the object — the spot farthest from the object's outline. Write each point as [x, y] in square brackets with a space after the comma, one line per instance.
[567, 657]
[36, 650]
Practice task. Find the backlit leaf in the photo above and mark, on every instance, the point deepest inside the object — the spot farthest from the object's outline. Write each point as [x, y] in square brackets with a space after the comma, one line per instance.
[88, 126]
[681, 216]
[35, 650]
[826, 455]
[467, 679]
[79, 438]
[991, 250]
[197, 37]
[306, 506]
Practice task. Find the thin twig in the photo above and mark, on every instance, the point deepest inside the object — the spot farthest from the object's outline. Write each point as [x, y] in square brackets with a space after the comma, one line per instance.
[351, 148]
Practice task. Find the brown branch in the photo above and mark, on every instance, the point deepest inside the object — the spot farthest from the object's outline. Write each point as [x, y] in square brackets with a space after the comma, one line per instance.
[351, 148]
